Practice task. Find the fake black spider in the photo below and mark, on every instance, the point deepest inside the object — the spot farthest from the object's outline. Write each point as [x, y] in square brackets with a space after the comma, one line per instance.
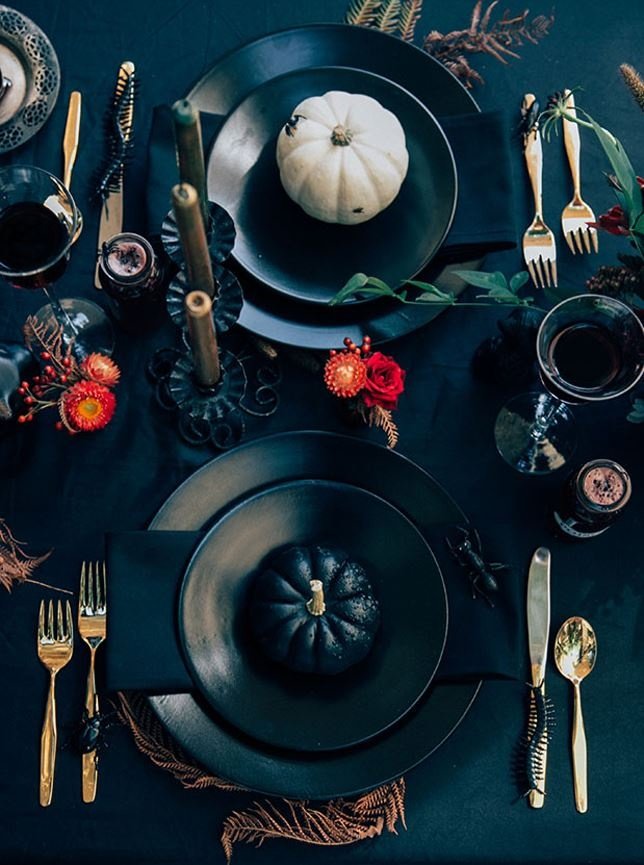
[291, 123]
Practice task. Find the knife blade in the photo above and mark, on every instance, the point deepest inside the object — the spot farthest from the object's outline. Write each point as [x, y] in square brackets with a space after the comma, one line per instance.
[538, 614]
[71, 136]
[111, 219]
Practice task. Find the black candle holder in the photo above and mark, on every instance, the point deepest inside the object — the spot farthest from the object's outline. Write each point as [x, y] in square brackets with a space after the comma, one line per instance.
[226, 305]
[215, 416]
[220, 233]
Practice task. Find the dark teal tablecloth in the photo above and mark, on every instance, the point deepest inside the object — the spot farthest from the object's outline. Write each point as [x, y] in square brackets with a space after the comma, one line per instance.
[62, 492]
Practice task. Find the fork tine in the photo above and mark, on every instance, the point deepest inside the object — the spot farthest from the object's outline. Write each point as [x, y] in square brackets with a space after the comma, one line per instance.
[570, 242]
[537, 267]
[70, 623]
[553, 271]
[90, 586]
[60, 634]
[50, 621]
[41, 622]
[82, 599]
[532, 273]
[99, 593]
[593, 234]
[580, 245]
[104, 586]
[546, 272]
[585, 238]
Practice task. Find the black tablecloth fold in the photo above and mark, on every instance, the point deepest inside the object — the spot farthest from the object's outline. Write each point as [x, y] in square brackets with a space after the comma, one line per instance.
[144, 652]
[484, 220]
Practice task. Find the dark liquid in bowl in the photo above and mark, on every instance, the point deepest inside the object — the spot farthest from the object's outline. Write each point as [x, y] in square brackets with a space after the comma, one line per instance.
[31, 235]
[586, 356]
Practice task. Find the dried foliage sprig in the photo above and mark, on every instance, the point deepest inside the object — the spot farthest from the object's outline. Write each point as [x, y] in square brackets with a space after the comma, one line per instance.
[16, 566]
[634, 82]
[382, 418]
[499, 39]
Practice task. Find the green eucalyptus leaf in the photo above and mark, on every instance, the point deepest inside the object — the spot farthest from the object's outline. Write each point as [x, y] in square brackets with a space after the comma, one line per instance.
[519, 280]
[636, 414]
[479, 279]
[443, 298]
[623, 169]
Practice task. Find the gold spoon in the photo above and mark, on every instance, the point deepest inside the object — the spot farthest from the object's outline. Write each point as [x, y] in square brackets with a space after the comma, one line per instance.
[575, 654]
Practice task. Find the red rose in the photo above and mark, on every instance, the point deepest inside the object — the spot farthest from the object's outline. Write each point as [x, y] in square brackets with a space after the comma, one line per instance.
[614, 221]
[385, 381]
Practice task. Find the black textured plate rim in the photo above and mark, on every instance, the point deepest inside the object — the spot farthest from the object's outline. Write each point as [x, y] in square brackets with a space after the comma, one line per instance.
[183, 610]
[173, 709]
[433, 249]
[282, 323]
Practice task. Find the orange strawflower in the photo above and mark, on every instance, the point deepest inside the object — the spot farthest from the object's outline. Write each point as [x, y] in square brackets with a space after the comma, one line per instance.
[100, 368]
[345, 374]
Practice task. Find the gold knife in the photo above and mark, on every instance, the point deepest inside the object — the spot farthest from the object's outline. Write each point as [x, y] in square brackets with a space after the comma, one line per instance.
[71, 136]
[111, 221]
[538, 611]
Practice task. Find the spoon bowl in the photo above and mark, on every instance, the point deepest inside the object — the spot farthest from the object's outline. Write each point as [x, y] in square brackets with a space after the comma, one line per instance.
[575, 656]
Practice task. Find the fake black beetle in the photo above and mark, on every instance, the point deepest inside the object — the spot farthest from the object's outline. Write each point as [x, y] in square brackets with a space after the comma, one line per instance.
[468, 552]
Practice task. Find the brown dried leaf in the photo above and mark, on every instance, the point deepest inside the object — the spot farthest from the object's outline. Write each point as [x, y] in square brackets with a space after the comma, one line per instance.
[409, 15]
[362, 12]
[15, 565]
[388, 16]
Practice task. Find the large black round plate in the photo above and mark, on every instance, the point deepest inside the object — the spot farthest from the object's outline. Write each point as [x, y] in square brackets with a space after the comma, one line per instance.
[300, 256]
[235, 76]
[296, 710]
[211, 492]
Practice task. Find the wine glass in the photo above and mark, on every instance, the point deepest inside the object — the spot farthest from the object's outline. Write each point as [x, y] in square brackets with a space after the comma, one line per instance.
[38, 222]
[590, 348]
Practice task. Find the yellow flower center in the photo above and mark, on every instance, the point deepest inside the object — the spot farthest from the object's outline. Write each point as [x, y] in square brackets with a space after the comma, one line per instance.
[88, 408]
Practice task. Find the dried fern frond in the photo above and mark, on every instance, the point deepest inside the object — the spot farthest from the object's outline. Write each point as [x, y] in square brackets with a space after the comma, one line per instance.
[362, 12]
[634, 82]
[388, 16]
[382, 418]
[15, 565]
[332, 824]
[47, 336]
[409, 15]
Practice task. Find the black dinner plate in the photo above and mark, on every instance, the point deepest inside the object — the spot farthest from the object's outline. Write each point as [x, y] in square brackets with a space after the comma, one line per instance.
[239, 73]
[302, 257]
[302, 711]
[205, 497]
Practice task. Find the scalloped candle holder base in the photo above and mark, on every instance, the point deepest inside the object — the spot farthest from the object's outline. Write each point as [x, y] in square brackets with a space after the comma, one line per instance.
[220, 233]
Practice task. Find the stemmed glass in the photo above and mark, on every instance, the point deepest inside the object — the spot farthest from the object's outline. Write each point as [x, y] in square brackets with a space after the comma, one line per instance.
[590, 348]
[38, 222]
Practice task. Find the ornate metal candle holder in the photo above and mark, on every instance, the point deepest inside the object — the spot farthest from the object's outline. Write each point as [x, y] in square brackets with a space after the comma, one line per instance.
[249, 380]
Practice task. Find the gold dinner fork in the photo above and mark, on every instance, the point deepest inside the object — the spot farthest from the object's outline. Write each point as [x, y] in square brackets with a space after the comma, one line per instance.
[539, 247]
[577, 214]
[92, 626]
[55, 648]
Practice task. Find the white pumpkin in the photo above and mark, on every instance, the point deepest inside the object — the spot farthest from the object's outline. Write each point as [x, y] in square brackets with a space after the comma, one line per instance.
[342, 157]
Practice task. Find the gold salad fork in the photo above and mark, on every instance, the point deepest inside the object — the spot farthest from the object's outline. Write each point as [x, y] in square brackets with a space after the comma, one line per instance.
[92, 626]
[539, 248]
[55, 648]
[577, 214]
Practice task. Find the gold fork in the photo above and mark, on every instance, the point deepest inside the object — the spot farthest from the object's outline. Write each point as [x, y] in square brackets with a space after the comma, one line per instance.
[55, 648]
[539, 247]
[92, 626]
[577, 214]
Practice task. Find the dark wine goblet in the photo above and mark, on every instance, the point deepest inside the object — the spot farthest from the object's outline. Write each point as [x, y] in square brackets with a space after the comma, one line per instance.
[38, 223]
[590, 348]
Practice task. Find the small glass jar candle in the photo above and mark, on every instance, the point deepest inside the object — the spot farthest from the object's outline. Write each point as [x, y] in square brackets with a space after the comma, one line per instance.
[132, 276]
[592, 499]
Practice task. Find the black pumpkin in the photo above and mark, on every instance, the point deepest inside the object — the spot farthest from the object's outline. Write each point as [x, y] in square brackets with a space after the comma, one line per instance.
[313, 610]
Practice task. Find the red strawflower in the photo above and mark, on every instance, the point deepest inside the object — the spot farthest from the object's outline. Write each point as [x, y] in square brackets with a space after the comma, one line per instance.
[345, 374]
[100, 368]
[385, 381]
[86, 406]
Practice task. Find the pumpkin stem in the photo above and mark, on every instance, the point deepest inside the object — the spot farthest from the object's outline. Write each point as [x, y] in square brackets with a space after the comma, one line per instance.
[341, 136]
[316, 605]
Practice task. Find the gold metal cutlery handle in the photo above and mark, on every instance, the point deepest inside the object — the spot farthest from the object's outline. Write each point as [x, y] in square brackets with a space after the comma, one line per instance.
[536, 798]
[48, 739]
[579, 754]
[71, 136]
[572, 142]
[90, 761]
[533, 153]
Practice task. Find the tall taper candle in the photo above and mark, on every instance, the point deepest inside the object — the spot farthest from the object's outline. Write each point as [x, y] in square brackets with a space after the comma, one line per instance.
[185, 203]
[189, 143]
[203, 339]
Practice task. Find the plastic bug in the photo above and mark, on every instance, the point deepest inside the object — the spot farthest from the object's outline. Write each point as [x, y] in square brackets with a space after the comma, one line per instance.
[290, 125]
[533, 745]
[529, 118]
[91, 733]
[468, 552]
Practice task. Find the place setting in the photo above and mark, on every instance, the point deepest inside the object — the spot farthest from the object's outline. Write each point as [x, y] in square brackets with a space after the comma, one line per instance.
[301, 540]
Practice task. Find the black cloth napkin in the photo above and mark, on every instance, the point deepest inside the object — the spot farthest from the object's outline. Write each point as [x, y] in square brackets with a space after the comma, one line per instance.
[144, 650]
[484, 220]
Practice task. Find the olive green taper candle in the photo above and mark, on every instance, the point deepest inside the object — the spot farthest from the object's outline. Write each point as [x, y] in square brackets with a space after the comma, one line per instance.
[203, 338]
[189, 144]
[192, 234]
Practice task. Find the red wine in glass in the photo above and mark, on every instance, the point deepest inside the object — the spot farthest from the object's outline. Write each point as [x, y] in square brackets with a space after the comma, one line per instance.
[586, 358]
[31, 236]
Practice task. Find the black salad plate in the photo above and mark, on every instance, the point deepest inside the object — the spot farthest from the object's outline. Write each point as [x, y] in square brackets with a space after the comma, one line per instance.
[233, 78]
[222, 484]
[302, 257]
[300, 711]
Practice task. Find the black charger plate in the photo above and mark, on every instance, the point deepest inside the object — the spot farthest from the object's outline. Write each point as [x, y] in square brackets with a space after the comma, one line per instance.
[239, 73]
[216, 488]
[294, 710]
[303, 257]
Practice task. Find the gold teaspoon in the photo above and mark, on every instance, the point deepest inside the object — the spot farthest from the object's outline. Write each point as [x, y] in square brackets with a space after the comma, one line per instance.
[575, 654]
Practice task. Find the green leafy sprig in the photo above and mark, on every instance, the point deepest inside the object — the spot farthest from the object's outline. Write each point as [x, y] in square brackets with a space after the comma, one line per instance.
[496, 286]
